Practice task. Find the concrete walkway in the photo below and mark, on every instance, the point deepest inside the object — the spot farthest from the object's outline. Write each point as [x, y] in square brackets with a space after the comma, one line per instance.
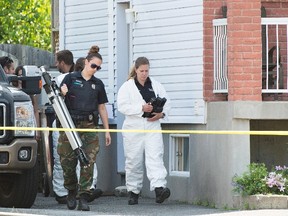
[111, 205]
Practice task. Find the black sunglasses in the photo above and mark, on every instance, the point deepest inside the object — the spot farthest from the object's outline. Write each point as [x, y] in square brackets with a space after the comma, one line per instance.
[95, 66]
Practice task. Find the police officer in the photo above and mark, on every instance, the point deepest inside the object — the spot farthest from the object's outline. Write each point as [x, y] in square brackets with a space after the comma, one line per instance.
[65, 64]
[85, 97]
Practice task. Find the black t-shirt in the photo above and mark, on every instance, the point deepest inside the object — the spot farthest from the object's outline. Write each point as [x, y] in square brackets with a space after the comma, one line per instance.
[83, 97]
[146, 91]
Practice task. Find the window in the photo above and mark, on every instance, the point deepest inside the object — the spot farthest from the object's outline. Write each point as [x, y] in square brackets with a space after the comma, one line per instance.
[179, 154]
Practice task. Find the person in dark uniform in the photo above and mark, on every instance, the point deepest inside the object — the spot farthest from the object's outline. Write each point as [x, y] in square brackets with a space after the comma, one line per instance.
[85, 97]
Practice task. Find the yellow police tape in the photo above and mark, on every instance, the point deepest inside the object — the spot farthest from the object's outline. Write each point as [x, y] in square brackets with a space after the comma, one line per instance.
[223, 132]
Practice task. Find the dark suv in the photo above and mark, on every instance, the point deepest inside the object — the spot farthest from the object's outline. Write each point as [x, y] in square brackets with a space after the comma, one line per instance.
[18, 147]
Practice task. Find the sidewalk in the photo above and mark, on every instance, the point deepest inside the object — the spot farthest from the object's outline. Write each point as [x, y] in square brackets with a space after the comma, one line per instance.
[111, 205]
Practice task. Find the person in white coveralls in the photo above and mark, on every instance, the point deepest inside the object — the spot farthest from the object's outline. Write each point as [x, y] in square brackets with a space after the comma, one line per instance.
[135, 100]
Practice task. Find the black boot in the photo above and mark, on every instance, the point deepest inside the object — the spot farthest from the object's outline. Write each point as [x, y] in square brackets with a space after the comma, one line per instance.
[83, 203]
[133, 198]
[71, 199]
[161, 194]
[61, 199]
[96, 193]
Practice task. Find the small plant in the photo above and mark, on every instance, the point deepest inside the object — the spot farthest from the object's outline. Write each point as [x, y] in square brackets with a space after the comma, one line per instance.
[277, 180]
[257, 180]
[252, 181]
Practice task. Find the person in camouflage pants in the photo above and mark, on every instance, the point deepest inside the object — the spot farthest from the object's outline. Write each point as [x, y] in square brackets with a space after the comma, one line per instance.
[85, 98]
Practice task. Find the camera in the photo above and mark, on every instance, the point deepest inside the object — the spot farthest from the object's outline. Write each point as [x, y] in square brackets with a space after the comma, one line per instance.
[158, 104]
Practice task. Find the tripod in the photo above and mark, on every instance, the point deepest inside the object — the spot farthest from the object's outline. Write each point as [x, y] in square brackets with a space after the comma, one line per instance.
[63, 115]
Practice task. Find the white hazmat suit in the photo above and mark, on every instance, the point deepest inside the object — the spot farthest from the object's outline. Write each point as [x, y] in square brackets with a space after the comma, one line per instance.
[130, 102]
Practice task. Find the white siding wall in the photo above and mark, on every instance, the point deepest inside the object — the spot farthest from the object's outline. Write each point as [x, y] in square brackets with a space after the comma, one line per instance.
[85, 23]
[170, 34]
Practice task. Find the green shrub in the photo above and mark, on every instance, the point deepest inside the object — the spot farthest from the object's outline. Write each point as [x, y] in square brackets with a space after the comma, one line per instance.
[252, 181]
[257, 180]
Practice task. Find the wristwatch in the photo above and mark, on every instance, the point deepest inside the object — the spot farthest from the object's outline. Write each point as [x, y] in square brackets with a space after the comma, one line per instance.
[163, 115]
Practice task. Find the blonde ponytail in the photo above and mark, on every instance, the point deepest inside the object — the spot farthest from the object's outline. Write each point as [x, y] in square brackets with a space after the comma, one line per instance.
[132, 73]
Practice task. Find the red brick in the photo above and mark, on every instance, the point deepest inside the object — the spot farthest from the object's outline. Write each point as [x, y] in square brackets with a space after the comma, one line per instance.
[244, 49]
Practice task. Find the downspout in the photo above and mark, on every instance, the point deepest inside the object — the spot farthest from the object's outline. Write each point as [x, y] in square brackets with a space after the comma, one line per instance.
[111, 74]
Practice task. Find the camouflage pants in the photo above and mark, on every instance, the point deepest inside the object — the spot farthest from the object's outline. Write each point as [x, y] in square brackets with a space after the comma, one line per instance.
[69, 159]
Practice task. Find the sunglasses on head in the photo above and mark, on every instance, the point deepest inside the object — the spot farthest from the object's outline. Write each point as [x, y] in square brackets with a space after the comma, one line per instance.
[95, 66]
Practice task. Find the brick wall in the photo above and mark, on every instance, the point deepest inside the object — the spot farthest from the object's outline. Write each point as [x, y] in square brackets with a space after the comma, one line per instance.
[244, 49]
[242, 85]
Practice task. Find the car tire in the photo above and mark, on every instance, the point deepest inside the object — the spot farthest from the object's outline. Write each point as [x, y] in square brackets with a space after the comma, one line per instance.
[19, 190]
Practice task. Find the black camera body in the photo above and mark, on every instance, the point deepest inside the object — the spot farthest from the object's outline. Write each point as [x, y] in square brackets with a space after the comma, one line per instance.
[158, 104]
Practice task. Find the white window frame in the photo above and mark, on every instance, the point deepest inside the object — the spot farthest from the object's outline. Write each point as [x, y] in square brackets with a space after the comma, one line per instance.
[172, 155]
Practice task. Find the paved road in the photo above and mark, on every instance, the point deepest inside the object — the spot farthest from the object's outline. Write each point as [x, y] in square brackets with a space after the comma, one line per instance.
[110, 205]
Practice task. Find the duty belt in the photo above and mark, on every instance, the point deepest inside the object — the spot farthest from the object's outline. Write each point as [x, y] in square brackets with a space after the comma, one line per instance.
[89, 117]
